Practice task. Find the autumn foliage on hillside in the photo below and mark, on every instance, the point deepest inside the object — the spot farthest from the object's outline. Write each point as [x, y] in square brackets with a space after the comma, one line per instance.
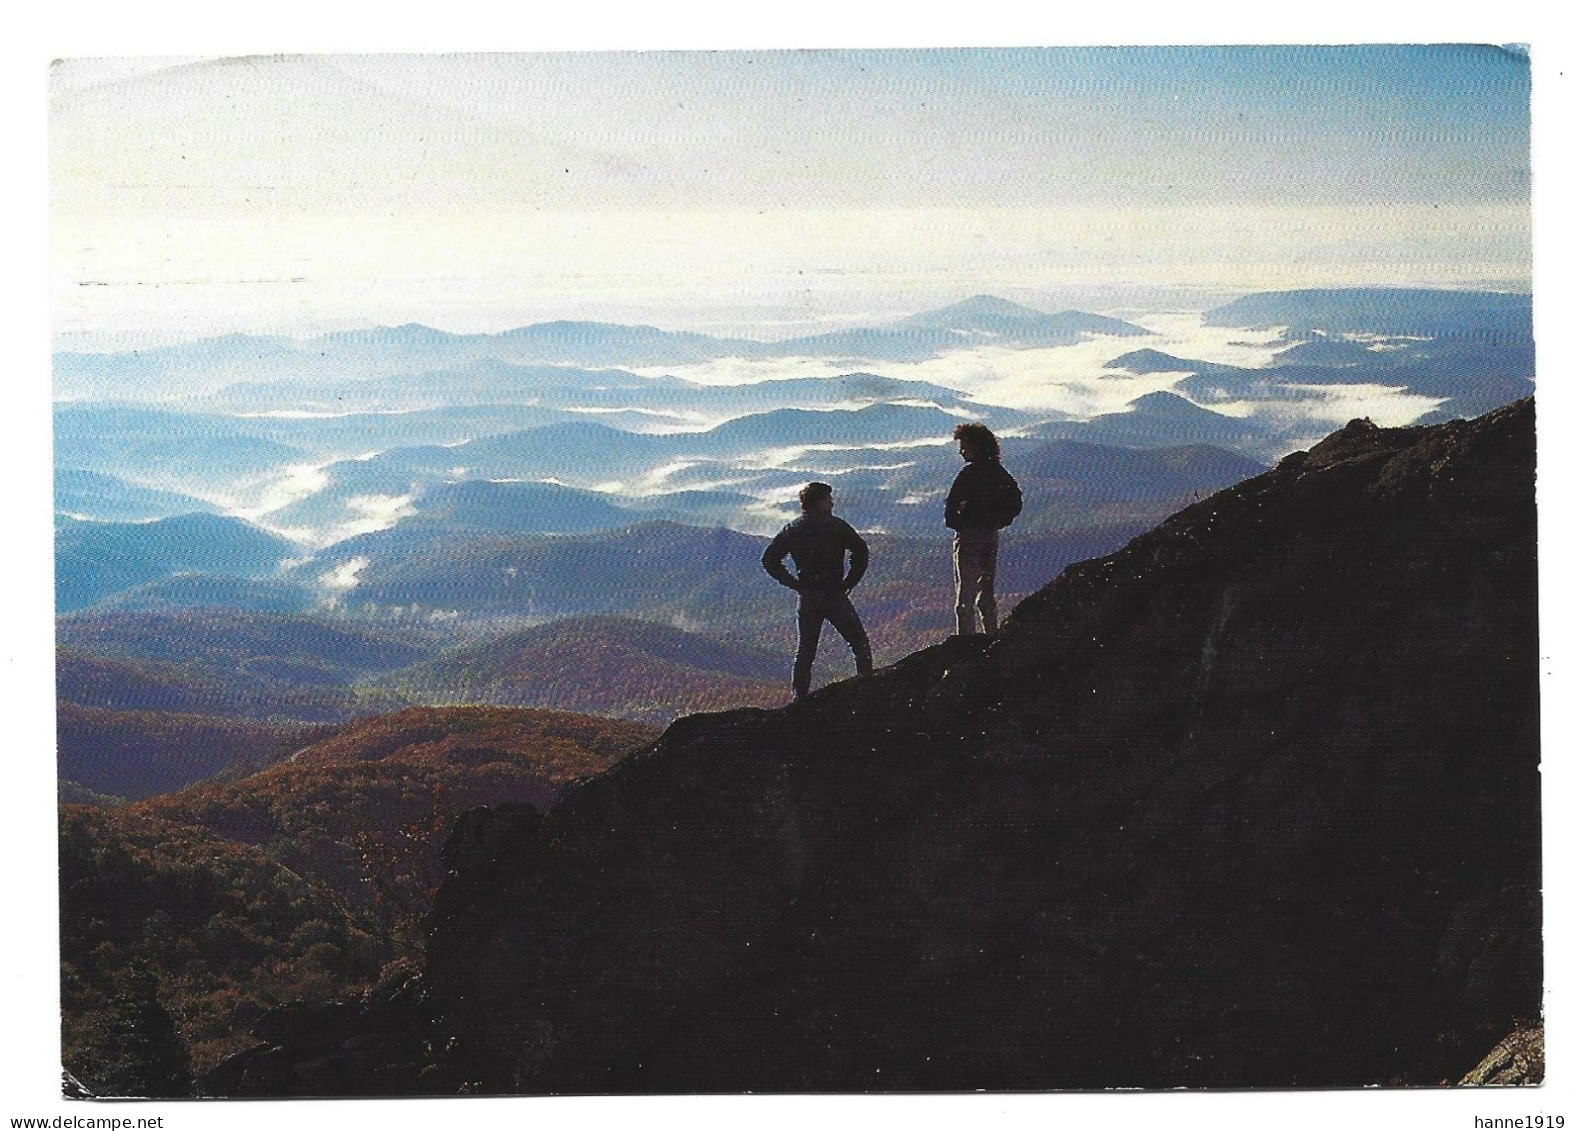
[305, 880]
[224, 930]
[613, 666]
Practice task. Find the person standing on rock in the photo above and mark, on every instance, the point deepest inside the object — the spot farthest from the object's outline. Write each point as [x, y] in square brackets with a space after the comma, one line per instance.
[817, 541]
[983, 499]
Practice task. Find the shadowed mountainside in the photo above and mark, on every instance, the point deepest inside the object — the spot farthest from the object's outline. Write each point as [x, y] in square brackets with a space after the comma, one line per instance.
[106, 498]
[94, 559]
[139, 753]
[302, 880]
[610, 666]
[223, 661]
[1252, 802]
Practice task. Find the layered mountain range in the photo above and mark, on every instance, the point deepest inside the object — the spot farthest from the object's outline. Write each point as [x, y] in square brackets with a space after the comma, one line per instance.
[346, 432]
[1252, 802]
[238, 360]
[266, 532]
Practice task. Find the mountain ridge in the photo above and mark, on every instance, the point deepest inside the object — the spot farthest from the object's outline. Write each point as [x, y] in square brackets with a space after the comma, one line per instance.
[615, 667]
[1502, 316]
[211, 364]
[1193, 819]
[94, 560]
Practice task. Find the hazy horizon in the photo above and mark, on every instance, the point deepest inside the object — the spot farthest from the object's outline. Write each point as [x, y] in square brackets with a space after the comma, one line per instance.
[769, 193]
[1110, 301]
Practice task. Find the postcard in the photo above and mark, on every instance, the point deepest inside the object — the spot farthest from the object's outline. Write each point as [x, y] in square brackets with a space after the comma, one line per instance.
[809, 572]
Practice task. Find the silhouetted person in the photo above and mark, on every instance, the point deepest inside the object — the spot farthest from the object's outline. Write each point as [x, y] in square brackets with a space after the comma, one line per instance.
[984, 497]
[817, 541]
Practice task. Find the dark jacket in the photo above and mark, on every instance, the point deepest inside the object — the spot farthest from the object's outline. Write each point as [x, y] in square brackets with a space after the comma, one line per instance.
[817, 543]
[978, 494]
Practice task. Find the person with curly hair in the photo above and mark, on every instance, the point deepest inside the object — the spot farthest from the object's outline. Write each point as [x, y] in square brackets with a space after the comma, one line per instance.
[983, 499]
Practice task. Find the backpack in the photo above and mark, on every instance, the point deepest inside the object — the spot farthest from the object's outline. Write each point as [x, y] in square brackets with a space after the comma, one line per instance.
[999, 497]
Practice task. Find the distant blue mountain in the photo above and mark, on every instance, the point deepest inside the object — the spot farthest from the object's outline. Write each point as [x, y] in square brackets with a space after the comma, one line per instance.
[1470, 349]
[94, 560]
[168, 449]
[361, 432]
[432, 408]
[107, 498]
[411, 335]
[982, 319]
[446, 388]
[1483, 316]
[585, 453]
[1097, 472]
[221, 360]
[876, 344]
[607, 343]
[1470, 378]
[1145, 361]
[483, 506]
[1326, 351]
[208, 365]
[581, 452]
[1018, 325]
[979, 313]
[207, 590]
[324, 371]
[490, 396]
[698, 508]
[1163, 420]
[884, 423]
[347, 480]
[623, 467]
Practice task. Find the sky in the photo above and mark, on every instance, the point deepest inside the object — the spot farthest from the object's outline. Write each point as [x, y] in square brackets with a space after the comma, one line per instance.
[768, 193]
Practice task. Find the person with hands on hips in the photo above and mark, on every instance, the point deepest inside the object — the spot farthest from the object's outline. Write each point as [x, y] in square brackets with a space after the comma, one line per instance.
[820, 545]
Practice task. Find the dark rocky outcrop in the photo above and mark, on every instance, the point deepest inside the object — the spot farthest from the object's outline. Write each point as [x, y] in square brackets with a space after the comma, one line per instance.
[1253, 802]
[1519, 1058]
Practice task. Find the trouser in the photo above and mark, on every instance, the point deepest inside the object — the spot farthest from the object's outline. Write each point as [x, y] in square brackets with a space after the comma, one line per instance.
[973, 554]
[815, 607]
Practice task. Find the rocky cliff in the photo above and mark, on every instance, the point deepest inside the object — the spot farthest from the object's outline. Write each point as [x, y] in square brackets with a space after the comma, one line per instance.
[1253, 802]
